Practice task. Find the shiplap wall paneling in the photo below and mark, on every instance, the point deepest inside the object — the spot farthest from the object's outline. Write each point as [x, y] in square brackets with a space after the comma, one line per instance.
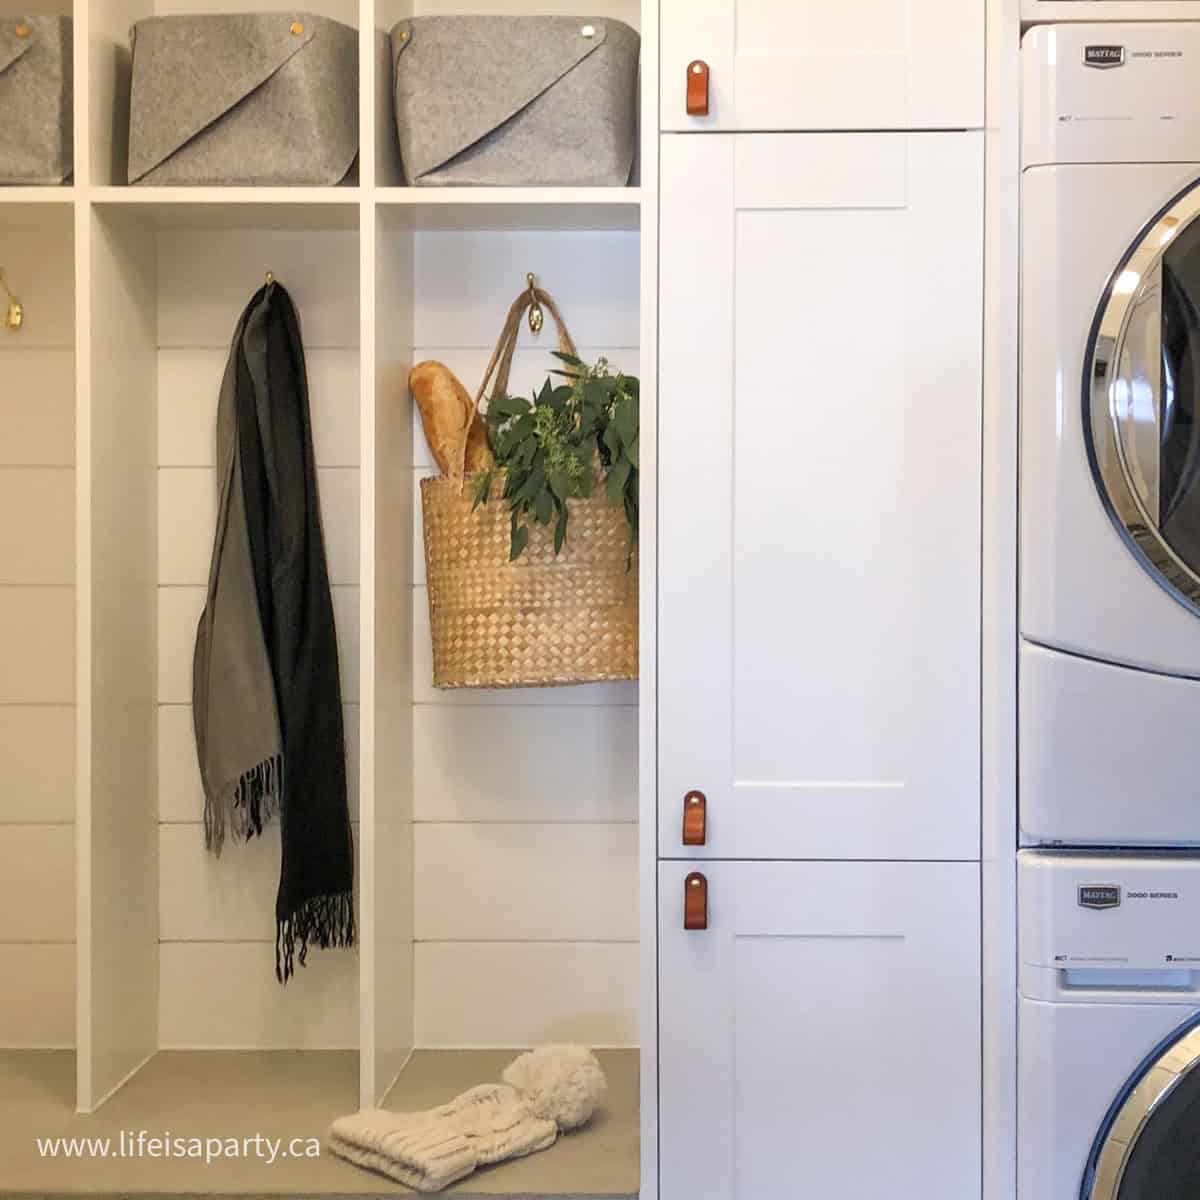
[216, 915]
[37, 578]
[118, 846]
[525, 800]
[387, 1019]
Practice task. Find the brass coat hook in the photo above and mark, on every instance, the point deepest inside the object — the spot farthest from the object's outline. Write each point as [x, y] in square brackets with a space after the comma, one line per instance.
[537, 318]
[14, 317]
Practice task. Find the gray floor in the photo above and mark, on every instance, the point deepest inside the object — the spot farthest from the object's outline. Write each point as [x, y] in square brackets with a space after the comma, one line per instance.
[290, 1095]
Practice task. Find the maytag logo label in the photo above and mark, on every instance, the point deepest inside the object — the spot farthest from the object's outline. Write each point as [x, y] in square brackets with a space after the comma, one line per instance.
[1104, 56]
[1099, 895]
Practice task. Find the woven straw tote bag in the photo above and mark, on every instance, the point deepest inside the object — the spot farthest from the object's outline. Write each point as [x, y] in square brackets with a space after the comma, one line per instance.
[542, 620]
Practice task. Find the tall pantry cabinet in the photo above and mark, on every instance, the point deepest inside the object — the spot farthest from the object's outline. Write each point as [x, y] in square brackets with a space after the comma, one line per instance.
[820, 412]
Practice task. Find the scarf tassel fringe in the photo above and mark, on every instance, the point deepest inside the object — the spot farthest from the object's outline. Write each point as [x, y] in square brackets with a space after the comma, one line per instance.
[325, 921]
[251, 804]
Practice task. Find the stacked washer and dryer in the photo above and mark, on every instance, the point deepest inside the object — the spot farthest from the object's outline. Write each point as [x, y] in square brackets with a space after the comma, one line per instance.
[1109, 745]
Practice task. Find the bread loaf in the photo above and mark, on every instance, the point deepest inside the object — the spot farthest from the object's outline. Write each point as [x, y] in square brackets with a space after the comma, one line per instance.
[444, 405]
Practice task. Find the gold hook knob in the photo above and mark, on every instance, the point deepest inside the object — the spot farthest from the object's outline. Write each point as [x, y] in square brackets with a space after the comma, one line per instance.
[14, 316]
[537, 318]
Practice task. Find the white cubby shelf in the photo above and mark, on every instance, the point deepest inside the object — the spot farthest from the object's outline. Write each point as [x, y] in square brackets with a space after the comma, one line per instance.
[148, 995]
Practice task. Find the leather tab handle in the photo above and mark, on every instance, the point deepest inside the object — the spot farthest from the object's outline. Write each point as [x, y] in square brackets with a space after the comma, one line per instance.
[695, 819]
[695, 901]
[697, 88]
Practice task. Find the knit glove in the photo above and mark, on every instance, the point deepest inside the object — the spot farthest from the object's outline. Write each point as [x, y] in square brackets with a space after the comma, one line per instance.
[553, 1088]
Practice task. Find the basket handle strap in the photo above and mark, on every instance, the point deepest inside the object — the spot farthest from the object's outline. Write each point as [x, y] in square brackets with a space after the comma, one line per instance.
[501, 362]
[565, 344]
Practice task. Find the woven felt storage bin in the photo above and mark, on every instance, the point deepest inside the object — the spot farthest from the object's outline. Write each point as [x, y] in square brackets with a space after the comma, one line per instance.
[516, 101]
[541, 620]
[36, 89]
[250, 99]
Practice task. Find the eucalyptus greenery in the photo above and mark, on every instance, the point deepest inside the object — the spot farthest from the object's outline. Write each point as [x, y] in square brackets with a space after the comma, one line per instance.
[557, 446]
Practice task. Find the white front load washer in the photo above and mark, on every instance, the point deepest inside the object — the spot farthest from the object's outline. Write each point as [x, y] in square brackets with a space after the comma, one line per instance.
[1110, 435]
[1108, 1093]
[1110, 10]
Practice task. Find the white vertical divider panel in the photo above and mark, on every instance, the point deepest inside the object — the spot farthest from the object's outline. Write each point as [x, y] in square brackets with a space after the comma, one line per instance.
[82, 220]
[999, 609]
[387, 807]
[648, 614]
[117, 818]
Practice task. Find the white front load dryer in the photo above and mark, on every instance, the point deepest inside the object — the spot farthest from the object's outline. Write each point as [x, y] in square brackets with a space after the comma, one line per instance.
[1110, 435]
[1108, 1094]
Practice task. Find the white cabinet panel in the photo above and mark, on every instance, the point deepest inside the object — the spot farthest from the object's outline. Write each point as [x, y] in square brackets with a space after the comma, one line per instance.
[820, 494]
[822, 1036]
[813, 64]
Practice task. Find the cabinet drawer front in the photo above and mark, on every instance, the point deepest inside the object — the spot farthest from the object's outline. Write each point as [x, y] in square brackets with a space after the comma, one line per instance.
[813, 64]
[821, 407]
[822, 1036]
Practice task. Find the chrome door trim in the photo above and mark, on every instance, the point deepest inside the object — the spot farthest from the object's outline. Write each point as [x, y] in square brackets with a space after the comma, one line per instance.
[1120, 477]
[1157, 1080]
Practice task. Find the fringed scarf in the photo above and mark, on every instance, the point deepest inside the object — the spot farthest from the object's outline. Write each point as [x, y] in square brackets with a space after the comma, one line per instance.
[267, 701]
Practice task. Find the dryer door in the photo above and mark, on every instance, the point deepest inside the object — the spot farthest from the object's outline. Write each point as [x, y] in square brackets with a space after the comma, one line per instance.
[1142, 398]
[1149, 1147]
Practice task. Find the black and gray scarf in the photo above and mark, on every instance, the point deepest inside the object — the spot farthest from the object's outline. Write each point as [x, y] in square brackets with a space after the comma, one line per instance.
[267, 703]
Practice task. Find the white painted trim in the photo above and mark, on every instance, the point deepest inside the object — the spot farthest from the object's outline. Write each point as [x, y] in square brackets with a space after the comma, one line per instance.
[367, 861]
[648, 609]
[84, 1084]
[999, 611]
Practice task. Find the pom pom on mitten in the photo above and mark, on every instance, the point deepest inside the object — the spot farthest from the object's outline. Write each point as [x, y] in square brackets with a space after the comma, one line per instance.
[563, 1084]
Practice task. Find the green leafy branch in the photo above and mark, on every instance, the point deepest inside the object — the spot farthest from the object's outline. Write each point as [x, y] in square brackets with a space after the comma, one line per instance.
[553, 448]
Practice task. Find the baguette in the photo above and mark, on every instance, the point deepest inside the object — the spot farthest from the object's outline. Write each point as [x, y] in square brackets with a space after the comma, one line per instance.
[444, 405]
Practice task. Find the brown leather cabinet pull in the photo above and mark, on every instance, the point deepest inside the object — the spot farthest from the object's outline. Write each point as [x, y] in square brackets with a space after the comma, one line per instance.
[695, 819]
[697, 88]
[695, 901]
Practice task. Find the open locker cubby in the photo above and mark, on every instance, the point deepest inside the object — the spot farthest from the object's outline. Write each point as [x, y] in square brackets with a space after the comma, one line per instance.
[37, 626]
[503, 867]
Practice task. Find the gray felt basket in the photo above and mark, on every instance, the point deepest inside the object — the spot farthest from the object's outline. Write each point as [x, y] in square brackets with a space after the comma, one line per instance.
[251, 100]
[36, 77]
[516, 101]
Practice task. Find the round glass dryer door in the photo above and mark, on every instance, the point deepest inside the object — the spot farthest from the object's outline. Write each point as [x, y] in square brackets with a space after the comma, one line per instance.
[1142, 398]
[1149, 1148]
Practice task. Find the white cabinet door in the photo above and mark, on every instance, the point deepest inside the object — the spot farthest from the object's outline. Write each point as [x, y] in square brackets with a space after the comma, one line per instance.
[819, 540]
[826, 64]
[822, 1037]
